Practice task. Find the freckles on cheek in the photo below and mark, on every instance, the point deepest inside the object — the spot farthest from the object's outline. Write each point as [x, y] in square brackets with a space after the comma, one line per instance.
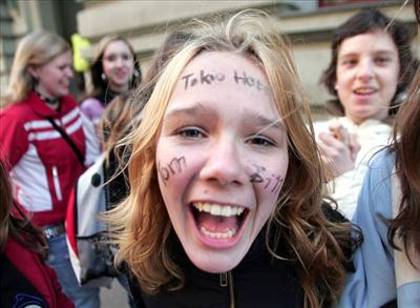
[168, 169]
[268, 181]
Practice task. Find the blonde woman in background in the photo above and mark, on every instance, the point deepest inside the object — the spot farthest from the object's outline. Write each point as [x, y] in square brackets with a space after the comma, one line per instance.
[46, 143]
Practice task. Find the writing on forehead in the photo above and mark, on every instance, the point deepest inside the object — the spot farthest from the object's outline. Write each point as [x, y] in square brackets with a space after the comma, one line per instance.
[241, 78]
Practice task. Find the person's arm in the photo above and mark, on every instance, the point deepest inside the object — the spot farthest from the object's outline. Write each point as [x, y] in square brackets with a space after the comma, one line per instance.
[13, 138]
[373, 283]
[93, 148]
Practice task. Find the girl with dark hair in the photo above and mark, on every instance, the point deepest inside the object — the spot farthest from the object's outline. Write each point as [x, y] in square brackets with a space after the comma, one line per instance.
[370, 68]
[388, 212]
[115, 70]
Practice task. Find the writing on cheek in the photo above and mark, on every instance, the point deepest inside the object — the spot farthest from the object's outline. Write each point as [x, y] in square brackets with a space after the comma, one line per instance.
[207, 78]
[271, 182]
[176, 165]
[257, 176]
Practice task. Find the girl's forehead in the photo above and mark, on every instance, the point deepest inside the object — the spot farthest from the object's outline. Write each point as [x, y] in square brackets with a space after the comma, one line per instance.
[219, 70]
[223, 61]
[373, 40]
[116, 45]
[223, 81]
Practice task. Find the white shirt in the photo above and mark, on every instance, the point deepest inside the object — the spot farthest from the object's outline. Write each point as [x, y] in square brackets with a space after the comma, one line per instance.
[372, 136]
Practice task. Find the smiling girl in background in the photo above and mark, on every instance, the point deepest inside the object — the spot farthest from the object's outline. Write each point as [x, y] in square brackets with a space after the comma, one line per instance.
[225, 201]
[115, 70]
[370, 68]
[388, 211]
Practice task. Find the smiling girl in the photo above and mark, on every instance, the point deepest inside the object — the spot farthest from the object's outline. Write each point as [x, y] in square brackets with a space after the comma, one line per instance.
[370, 69]
[115, 70]
[225, 201]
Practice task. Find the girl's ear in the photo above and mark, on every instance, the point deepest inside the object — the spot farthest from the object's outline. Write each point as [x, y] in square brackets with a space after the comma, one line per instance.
[336, 86]
[33, 71]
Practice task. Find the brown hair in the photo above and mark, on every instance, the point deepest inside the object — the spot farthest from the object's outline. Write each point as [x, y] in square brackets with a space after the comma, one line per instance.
[406, 144]
[364, 22]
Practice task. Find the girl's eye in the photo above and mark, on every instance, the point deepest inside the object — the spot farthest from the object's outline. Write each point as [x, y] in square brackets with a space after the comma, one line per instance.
[349, 62]
[110, 58]
[381, 60]
[191, 132]
[126, 57]
[261, 141]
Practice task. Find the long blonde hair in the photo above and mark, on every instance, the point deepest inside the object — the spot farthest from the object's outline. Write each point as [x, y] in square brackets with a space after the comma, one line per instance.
[141, 222]
[35, 49]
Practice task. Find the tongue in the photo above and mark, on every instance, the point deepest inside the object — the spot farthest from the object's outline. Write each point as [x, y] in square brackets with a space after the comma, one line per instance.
[217, 223]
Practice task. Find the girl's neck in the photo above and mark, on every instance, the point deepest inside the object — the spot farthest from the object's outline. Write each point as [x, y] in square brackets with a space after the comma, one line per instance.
[118, 89]
[50, 101]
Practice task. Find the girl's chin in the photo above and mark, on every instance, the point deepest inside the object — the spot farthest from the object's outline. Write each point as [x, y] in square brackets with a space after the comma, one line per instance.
[215, 263]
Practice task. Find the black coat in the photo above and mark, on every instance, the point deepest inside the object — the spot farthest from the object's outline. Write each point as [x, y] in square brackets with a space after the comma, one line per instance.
[258, 281]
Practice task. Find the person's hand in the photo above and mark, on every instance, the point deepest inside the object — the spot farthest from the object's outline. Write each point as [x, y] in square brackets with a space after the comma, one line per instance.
[338, 149]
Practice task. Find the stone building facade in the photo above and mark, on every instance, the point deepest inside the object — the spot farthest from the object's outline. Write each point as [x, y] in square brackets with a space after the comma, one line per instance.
[309, 24]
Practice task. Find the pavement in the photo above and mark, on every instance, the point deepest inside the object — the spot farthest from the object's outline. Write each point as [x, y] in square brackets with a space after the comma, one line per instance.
[115, 297]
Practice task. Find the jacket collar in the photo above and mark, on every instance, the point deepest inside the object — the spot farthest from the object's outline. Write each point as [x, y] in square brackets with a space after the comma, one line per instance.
[42, 109]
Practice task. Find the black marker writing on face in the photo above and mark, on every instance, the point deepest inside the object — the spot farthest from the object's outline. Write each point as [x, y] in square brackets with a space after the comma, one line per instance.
[257, 177]
[176, 165]
[190, 80]
[272, 183]
[246, 80]
[208, 78]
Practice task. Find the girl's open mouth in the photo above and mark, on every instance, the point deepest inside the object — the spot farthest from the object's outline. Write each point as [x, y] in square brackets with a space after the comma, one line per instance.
[218, 225]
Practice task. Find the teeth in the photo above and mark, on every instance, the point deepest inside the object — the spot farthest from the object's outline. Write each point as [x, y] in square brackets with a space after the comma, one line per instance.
[364, 90]
[218, 235]
[218, 210]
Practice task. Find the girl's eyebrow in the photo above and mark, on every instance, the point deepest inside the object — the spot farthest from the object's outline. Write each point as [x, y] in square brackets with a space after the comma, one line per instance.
[254, 117]
[263, 121]
[379, 51]
[198, 109]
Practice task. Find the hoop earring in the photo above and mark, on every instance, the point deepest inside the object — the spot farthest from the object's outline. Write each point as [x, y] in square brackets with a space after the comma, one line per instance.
[103, 77]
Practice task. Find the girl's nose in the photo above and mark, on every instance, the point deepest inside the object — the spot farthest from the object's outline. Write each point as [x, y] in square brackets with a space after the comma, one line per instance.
[365, 70]
[70, 72]
[224, 164]
[119, 62]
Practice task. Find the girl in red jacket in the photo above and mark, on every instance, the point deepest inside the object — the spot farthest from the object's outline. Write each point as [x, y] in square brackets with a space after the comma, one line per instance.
[24, 277]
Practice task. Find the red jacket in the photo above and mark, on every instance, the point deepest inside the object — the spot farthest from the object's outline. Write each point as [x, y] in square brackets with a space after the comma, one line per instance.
[42, 165]
[25, 279]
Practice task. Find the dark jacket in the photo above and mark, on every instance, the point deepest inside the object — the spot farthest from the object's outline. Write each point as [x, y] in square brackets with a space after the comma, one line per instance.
[26, 281]
[258, 281]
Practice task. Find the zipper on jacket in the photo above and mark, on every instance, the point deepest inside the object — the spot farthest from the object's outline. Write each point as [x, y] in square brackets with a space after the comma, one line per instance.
[56, 181]
[226, 280]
